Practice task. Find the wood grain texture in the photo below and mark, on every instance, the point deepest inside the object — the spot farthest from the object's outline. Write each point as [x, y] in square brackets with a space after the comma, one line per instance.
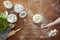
[50, 9]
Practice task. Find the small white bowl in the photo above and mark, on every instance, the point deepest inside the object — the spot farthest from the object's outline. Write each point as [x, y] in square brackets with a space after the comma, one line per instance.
[22, 14]
[37, 18]
[8, 4]
[18, 8]
[11, 18]
[6, 14]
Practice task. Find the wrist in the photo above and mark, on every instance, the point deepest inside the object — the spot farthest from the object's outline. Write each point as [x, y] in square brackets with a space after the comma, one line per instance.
[50, 24]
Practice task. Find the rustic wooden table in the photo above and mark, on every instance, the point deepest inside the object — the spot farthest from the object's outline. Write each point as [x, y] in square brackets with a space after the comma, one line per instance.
[50, 9]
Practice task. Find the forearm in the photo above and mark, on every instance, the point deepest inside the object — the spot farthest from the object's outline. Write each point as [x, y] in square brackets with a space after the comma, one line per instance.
[53, 23]
[50, 24]
[57, 21]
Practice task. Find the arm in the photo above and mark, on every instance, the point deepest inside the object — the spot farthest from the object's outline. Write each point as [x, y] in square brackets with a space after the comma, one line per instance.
[56, 21]
[52, 24]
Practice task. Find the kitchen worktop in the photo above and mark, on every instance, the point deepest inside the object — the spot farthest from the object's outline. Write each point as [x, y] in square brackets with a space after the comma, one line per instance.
[49, 9]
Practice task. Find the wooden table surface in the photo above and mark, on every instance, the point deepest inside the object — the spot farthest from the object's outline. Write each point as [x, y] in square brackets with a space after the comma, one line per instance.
[49, 9]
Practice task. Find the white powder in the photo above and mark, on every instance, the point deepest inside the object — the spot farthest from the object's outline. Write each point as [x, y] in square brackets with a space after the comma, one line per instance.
[52, 33]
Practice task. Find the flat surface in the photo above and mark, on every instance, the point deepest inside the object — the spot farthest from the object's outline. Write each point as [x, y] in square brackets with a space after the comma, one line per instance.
[50, 9]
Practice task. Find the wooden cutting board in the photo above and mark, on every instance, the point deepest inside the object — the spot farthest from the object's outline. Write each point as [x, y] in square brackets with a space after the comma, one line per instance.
[50, 9]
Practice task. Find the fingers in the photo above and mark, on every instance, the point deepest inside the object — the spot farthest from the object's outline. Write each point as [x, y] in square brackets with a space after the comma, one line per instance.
[43, 26]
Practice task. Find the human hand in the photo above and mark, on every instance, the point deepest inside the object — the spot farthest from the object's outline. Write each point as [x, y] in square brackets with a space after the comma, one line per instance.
[50, 24]
[43, 26]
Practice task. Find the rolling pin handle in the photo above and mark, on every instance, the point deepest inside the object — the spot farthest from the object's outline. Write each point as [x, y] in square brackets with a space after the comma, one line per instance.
[17, 30]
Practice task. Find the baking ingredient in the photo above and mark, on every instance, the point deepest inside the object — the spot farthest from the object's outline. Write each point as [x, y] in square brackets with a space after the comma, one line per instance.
[52, 33]
[3, 23]
[8, 4]
[12, 25]
[37, 18]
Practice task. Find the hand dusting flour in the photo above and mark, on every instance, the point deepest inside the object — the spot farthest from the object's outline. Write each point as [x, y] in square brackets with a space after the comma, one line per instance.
[34, 30]
[37, 32]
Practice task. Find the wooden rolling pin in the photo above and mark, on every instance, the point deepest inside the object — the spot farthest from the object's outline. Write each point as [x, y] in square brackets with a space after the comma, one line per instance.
[13, 32]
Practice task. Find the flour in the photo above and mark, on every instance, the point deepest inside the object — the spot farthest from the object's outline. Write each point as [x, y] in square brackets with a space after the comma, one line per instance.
[30, 14]
[34, 29]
